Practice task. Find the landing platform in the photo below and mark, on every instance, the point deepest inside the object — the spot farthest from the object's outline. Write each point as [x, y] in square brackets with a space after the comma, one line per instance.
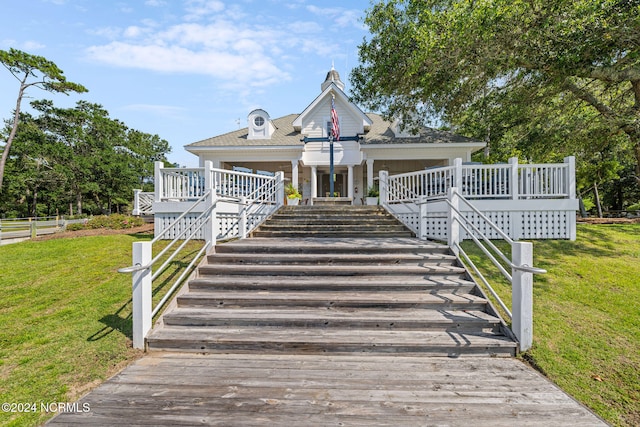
[332, 201]
[295, 390]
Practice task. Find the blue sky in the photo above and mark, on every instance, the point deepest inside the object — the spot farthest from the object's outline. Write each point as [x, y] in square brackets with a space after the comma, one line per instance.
[186, 69]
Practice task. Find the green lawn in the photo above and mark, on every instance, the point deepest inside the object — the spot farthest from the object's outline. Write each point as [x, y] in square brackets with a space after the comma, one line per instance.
[65, 313]
[65, 316]
[587, 318]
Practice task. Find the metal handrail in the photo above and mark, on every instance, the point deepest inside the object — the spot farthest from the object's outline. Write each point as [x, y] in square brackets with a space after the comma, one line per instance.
[134, 268]
[509, 240]
[403, 202]
[473, 232]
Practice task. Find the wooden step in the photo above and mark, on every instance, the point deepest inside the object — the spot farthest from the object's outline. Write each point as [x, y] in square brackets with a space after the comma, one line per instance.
[396, 283]
[335, 233]
[264, 340]
[329, 270]
[330, 258]
[330, 299]
[305, 317]
[332, 245]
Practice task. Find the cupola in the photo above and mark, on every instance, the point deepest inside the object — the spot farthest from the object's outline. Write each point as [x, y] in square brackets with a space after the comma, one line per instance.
[332, 77]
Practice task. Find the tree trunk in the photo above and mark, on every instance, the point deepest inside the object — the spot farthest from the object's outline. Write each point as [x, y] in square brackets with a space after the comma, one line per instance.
[79, 203]
[583, 211]
[597, 196]
[14, 129]
[34, 206]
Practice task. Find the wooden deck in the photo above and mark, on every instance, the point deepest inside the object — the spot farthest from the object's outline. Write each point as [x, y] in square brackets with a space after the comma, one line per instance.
[314, 390]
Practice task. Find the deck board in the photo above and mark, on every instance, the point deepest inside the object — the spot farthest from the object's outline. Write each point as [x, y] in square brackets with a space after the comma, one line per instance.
[355, 390]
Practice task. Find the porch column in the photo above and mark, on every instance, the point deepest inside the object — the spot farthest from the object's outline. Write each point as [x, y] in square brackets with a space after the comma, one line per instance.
[314, 184]
[294, 173]
[369, 175]
[350, 183]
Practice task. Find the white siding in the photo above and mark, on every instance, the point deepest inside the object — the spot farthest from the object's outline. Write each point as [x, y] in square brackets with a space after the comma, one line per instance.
[315, 122]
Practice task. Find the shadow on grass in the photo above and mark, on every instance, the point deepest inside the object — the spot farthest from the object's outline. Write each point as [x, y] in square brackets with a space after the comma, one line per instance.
[122, 319]
[116, 322]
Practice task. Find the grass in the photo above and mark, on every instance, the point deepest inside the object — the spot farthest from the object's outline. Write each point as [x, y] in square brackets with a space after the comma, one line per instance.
[66, 319]
[65, 316]
[587, 318]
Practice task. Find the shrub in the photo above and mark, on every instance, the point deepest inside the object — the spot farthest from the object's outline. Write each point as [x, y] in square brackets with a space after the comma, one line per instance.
[634, 207]
[112, 222]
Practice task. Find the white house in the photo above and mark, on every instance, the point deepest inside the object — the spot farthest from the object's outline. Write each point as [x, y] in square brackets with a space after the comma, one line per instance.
[247, 168]
[367, 145]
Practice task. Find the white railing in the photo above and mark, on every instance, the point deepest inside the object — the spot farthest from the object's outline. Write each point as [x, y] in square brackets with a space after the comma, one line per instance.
[142, 203]
[185, 184]
[475, 181]
[261, 195]
[520, 265]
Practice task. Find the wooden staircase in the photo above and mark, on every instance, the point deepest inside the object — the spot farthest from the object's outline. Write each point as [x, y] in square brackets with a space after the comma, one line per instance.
[372, 293]
[332, 221]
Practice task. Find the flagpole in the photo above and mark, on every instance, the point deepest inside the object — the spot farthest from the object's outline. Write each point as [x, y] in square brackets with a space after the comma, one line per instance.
[331, 166]
[335, 133]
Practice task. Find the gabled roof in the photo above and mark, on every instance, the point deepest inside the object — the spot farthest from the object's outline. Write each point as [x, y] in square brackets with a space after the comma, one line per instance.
[285, 135]
[381, 133]
[328, 91]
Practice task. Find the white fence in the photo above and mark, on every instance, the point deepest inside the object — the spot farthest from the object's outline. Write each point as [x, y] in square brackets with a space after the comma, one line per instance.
[244, 200]
[529, 201]
[204, 204]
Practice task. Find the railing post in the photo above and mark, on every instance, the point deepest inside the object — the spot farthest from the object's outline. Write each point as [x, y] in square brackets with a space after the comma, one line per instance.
[279, 189]
[513, 178]
[33, 227]
[158, 181]
[242, 220]
[383, 188]
[141, 290]
[453, 218]
[422, 220]
[136, 202]
[522, 294]
[211, 229]
[457, 177]
[571, 176]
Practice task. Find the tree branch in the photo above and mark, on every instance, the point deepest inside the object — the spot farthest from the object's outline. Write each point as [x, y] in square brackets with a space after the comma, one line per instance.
[589, 98]
[612, 75]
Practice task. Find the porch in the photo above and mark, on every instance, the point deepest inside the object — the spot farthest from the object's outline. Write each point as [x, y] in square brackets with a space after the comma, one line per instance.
[527, 201]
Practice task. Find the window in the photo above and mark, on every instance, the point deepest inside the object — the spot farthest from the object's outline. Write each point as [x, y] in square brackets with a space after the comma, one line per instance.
[258, 121]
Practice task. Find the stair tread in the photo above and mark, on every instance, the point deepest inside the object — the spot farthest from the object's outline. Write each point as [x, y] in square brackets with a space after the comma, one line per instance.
[337, 243]
[328, 257]
[389, 282]
[391, 337]
[362, 297]
[441, 316]
[331, 269]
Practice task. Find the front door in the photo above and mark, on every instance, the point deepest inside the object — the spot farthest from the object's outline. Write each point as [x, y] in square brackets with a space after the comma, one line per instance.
[338, 185]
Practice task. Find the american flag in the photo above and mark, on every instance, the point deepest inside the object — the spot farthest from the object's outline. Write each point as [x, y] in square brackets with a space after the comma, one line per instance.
[335, 124]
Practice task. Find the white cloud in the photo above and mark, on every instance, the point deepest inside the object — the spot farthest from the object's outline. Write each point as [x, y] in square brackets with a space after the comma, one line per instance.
[32, 45]
[241, 51]
[249, 69]
[198, 9]
[26, 46]
[341, 16]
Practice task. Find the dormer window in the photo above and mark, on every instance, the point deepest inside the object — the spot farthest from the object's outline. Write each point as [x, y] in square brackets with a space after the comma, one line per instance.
[260, 126]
